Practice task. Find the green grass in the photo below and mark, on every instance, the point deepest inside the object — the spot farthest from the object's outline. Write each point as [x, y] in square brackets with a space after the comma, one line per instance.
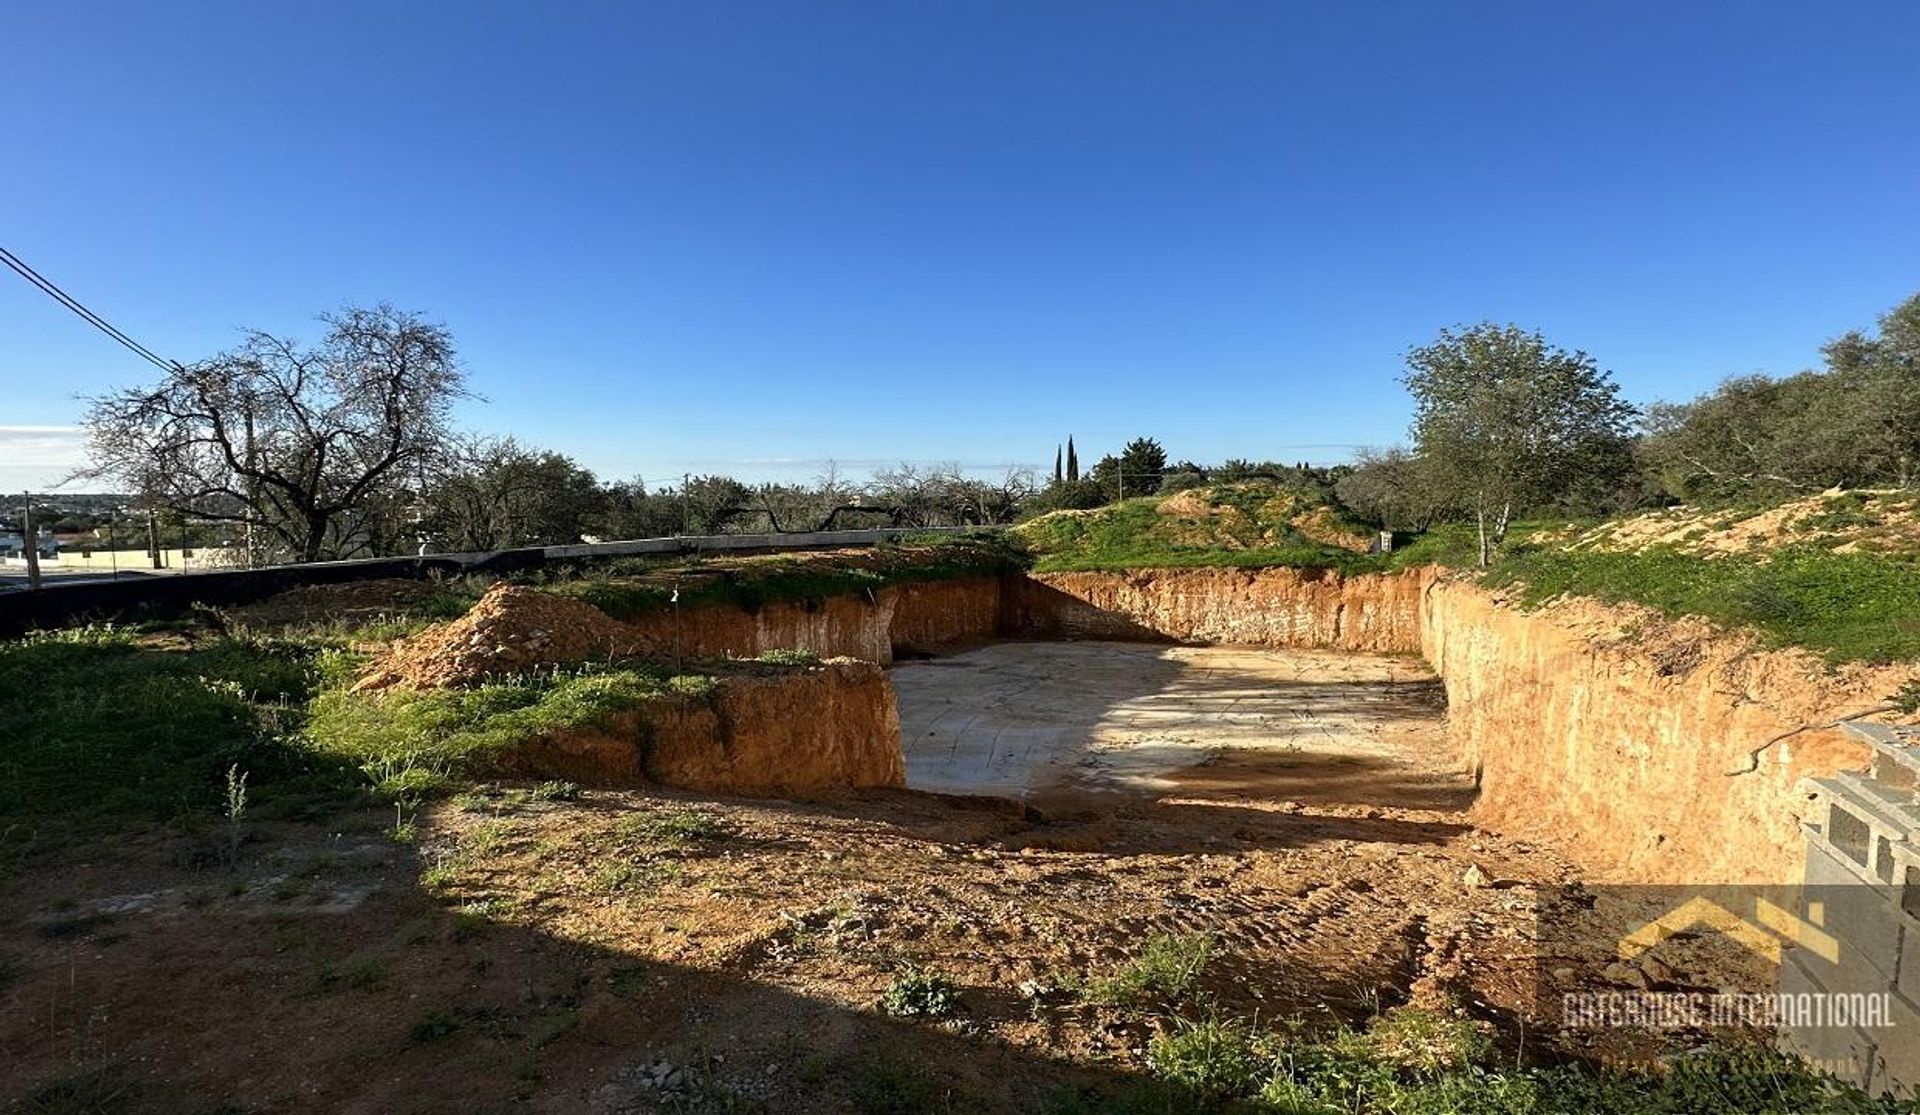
[416, 742]
[1133, 535]
[1164, 969]
[1416, 1062]
[1847, 607]
[103, 729]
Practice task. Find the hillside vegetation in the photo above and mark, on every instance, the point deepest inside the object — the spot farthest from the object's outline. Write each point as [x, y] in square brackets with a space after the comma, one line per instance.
[1247, 523]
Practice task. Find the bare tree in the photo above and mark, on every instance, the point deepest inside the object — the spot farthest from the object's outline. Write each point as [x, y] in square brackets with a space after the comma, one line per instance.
[293, 441]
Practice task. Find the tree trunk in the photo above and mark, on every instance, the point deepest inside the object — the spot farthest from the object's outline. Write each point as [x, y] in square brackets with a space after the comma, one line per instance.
[1480, 521]
[316, 537]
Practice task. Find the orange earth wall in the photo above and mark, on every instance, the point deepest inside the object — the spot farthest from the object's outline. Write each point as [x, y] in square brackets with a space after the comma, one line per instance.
[1650, 750]
[782, 733]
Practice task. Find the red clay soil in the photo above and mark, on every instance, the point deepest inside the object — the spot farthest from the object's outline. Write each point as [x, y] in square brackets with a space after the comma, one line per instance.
[509, 629]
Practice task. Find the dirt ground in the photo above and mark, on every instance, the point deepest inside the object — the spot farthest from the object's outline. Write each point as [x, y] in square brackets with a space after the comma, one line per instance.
[1039, 720]
[613, 951]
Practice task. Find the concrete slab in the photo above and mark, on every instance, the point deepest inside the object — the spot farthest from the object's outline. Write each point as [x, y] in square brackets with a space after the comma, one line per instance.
[1025, 718]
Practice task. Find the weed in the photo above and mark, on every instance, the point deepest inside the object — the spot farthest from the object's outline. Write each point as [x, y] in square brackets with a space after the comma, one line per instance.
[917, 993]
[784, 657]
[360, 972]
[629, 878]
[673, 827]
[889, 1085]
[1165, 968]
[555, 791]
[236, 809]
[100, 1090]
[1427, 1042]
[433, 1025]
[1211, 1059]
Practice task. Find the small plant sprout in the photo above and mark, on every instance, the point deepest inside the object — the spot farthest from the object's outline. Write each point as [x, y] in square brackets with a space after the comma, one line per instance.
[236, 808]
[403, 827]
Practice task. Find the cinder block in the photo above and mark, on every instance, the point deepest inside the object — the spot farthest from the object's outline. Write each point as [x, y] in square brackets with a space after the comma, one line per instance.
[1897, 1054]
[1863, 915]
[1909, 984]
[1845, 1052]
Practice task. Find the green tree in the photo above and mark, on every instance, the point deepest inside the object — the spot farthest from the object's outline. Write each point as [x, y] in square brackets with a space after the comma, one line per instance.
[1143, 464]
[1073, 461]
[1857, 423]
[495, 494]
[1391, 487]
[1505, 420]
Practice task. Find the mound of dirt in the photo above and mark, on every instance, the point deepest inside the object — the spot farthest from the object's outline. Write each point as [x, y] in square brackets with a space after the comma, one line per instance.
[510, 629]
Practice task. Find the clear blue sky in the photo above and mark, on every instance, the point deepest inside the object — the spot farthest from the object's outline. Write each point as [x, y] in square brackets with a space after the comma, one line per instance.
[745, 237]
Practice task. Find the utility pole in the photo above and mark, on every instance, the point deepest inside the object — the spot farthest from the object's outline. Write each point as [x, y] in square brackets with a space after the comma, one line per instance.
[153, 538]
[686, 509]
[32, 538]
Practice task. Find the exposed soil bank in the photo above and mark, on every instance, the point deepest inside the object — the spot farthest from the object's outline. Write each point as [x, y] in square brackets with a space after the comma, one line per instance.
[1664, 751]
[1653, 750]
[788, 733]
[1246, 607]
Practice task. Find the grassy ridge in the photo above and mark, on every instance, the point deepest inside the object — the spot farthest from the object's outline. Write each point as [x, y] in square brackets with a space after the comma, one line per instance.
[1248, 524]
[1848, 607]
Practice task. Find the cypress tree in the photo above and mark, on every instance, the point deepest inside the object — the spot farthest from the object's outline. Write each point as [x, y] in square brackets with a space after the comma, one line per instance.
[1073, 460]
[1057, 474]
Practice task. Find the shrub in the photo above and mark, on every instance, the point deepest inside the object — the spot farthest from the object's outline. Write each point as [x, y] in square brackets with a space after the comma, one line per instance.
[916, 993]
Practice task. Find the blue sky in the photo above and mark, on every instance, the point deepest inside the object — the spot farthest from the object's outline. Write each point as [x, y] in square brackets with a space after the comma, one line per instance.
[748, 237]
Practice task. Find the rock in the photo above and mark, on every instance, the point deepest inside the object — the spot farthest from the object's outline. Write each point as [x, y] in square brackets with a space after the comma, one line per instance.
[1476, 878]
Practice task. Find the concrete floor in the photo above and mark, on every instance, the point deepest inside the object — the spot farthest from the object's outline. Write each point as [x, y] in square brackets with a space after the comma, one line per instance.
[1026, 718]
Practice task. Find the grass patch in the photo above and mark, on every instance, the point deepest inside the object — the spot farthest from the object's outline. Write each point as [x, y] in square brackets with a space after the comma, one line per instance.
[106, 729]
[673, 827]
[433, 1025]
[413, 743]
[1847, 607]
[1416, 1062]
[1135, 535]
[1165, 968]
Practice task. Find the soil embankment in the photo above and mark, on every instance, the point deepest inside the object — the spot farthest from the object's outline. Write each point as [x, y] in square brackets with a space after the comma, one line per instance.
[1245, 607]
[784, 733]
[1665, 751]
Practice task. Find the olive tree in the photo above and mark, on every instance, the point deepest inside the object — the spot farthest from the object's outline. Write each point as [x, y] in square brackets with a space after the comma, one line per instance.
[1504, 420]
[300, 442]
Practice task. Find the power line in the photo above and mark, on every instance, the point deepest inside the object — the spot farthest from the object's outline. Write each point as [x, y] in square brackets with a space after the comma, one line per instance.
[47, 287]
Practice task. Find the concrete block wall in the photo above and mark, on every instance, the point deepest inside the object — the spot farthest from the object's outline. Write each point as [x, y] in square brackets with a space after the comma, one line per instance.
[1863, 889]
